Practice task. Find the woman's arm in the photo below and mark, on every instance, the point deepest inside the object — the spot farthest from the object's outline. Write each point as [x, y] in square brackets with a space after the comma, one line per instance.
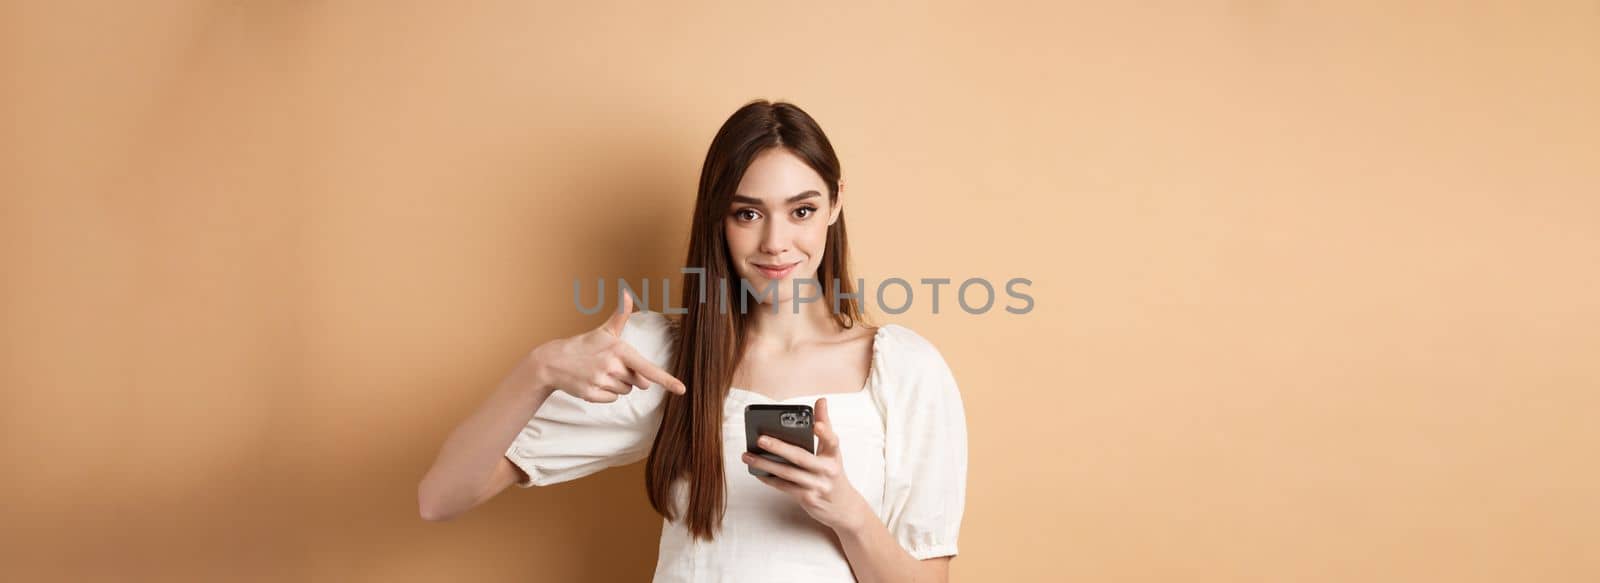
[876, 557]
[471, 467]
[596, 366]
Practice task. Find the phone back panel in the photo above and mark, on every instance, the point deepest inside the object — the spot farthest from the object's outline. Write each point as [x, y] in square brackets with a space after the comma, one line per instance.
[790, 423]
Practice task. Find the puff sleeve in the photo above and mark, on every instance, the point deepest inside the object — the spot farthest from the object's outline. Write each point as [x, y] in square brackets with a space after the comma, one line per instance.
[925, 448]
[569, 438]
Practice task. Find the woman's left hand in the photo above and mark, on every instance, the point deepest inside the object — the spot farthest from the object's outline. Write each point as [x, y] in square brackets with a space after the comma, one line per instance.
[817, 482]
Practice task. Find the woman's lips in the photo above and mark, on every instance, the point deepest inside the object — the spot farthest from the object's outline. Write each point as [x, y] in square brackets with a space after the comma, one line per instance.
[778, 272]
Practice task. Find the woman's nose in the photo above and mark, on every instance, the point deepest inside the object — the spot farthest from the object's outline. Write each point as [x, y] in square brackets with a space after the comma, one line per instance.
[774, 240]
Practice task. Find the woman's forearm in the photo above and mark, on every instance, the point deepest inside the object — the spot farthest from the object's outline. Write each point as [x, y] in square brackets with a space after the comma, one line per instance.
[876, 557]
[461, 474]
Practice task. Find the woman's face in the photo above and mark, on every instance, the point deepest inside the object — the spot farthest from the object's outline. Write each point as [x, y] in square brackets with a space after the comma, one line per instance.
[777, 227]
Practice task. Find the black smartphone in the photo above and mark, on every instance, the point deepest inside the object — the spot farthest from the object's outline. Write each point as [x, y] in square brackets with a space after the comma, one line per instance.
[790, 423]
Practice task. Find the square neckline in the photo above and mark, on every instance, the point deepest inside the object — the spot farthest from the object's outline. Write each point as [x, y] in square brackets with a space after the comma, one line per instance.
[872, 374]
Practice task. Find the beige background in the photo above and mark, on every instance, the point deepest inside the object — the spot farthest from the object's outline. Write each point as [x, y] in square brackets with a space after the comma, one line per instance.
[1317, 288]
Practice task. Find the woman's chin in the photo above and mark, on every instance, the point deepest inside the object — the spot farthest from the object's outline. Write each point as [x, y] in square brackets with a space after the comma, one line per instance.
[756, 282]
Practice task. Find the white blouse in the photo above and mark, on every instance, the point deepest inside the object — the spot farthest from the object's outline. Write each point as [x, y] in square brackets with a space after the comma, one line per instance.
[903, 437]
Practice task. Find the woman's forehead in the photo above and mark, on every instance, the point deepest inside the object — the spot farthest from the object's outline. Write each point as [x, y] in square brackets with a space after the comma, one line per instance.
[777, 174]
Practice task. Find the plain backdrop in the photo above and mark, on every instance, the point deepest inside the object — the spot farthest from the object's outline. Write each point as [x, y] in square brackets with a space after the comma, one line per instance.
[1317, 287]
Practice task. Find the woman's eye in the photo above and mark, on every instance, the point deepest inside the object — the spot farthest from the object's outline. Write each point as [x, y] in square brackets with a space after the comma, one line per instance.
[746, 214]
[806, 210]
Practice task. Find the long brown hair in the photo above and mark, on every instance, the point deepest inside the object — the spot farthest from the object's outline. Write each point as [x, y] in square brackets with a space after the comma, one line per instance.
[710, 339]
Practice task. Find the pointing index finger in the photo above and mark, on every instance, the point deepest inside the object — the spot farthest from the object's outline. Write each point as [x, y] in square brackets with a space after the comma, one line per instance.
[650, 371]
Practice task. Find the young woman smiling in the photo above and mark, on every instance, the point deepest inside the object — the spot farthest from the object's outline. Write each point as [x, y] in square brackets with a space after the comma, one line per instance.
[882, 497]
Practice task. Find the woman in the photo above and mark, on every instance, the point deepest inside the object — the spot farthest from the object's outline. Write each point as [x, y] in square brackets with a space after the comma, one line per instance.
[882, 497]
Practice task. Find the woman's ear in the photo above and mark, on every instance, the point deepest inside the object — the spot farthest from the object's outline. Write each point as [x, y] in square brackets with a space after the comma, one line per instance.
[838, 205]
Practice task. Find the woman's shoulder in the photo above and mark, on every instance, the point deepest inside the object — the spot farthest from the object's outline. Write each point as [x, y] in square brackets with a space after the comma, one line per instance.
[651, 333]
[907, 354]
[902, 342]
[913, 377]
[650, 320]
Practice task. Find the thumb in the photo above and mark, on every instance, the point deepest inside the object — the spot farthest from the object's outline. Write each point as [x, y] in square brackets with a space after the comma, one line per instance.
[827, 440]
[619, 319]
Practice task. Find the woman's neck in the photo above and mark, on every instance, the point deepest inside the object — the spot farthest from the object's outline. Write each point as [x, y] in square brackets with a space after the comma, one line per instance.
[786, 330]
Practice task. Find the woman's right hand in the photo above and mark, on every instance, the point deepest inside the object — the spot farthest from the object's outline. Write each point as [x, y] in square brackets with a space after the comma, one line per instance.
[598, 366]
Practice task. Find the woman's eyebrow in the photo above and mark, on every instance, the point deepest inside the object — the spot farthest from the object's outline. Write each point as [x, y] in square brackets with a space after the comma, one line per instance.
[793, 199]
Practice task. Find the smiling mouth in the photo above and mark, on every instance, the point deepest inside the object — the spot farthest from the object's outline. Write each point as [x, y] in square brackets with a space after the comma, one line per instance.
[776, 272]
